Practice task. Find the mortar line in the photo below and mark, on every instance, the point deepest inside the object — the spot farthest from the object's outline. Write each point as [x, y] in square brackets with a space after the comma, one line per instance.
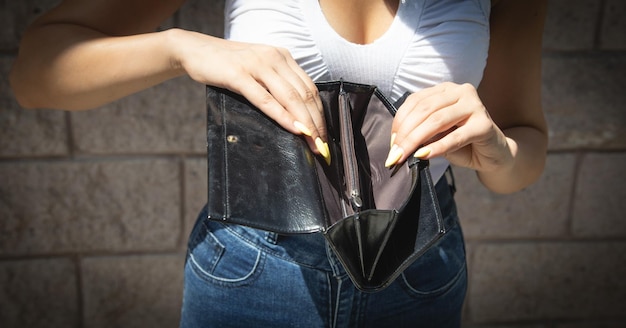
[69, 133]
[183, 197]
[80, 309]
[579, 157]
[98, 157]
[95, 253]
[597, 36]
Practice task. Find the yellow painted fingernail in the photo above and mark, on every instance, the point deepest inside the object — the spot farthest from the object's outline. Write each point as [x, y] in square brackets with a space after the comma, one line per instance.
[322, 147]
[422, 152]
[393, 139]
[302, 128]
[394, 155]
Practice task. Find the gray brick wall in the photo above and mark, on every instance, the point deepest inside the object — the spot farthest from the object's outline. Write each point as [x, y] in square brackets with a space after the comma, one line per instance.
[95, 206]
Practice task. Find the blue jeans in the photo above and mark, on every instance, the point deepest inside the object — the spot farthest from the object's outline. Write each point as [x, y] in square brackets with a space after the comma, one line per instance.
[241, 277]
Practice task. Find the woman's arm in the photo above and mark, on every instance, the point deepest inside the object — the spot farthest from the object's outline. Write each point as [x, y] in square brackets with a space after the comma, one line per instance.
[511, 91]
[83, 54]
[498, 130]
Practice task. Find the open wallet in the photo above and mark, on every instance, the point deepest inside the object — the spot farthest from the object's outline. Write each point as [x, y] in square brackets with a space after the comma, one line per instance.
[377, 220]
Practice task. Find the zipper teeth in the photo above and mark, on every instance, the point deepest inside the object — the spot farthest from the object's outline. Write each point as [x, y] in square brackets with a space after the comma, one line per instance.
[348, 152]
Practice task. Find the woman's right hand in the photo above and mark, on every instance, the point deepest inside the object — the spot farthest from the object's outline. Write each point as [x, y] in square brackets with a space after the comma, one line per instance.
[267, 76]
[83, 54]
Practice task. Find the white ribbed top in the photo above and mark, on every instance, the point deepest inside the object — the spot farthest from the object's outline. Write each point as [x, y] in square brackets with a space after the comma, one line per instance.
[428, 42]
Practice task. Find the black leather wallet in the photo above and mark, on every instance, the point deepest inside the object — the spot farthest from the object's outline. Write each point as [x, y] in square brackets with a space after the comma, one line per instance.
[377, 220]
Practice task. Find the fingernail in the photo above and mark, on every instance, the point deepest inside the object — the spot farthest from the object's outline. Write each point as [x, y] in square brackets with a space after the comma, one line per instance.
[422, 152]
[322, 147]
[302, 128]
[394, 155]
[393, 139]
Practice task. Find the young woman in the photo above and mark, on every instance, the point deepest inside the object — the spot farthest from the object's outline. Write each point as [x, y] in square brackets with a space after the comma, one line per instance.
[473, 68]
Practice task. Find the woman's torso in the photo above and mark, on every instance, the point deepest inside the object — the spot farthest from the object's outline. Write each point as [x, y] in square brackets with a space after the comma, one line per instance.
[421, 44]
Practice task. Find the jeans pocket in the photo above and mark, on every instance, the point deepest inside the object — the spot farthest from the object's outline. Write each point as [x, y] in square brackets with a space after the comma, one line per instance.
[218, 256]
[439, 269]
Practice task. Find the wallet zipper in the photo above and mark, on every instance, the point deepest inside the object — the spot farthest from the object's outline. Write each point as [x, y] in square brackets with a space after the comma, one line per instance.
[350, 165]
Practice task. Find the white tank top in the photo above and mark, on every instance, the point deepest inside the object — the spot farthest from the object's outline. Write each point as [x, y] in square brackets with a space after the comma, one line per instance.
[428, 42]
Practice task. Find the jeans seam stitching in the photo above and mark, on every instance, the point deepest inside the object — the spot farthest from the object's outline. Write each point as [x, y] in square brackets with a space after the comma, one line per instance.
[439, 291]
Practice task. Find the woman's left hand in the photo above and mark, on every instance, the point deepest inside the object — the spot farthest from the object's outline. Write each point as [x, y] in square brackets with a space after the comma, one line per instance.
[449, 120]
[507, 146]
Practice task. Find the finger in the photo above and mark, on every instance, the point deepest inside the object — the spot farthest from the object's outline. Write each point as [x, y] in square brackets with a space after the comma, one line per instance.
[313, 116]
[427, 109]
[415, 99]
[311, 122]
[287, 88]
[270, 68]
[265, 101]
[419, 110]
[304, 122]
[477, 130]
[452, 142]
[433, 127]
[261, 98]
[306, 79]
[308, 92]
[414, 113]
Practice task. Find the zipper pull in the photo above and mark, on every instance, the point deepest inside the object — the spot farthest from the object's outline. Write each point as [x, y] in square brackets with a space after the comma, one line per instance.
[356, 200]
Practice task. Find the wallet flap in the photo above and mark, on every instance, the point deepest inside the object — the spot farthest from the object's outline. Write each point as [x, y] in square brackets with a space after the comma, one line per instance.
[260, 175]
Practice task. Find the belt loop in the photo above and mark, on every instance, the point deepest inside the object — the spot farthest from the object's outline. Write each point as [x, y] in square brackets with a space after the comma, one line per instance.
[271, 237]
[450, 178]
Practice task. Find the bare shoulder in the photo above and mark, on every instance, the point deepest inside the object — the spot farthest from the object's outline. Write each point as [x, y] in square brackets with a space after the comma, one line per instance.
[113, 17]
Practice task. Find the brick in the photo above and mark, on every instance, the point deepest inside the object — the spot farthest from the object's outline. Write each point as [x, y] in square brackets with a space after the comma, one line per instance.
[614, 26]
[571, 24]
[168, 118]
[513, 282]
[540, 210]
[195, 190]
[133, 291]
[584, 101]
[599, 204]
[15, 16]
[38, 293]
[211, 21]
[62, 206]
[28, 132]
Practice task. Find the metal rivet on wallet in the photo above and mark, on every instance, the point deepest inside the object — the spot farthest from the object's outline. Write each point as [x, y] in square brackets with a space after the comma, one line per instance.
[232, 139]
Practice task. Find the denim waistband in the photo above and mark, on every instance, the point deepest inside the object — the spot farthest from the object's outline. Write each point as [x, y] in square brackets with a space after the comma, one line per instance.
[310, 250]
